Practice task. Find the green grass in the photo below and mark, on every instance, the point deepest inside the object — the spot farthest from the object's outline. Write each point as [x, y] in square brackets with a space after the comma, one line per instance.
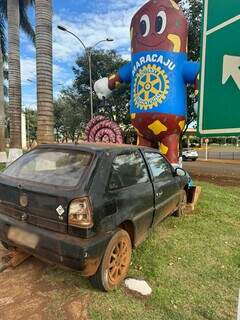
[2, 166]
[192, 264]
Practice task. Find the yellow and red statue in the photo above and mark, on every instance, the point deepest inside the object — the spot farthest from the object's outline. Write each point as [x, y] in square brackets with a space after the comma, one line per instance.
[159, 73]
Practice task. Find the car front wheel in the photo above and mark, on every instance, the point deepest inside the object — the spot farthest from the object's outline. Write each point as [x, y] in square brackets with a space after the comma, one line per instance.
[115, 263]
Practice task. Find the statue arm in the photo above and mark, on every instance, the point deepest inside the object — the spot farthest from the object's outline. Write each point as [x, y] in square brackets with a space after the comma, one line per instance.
[190, 72]
[191, 76]
[103, 87]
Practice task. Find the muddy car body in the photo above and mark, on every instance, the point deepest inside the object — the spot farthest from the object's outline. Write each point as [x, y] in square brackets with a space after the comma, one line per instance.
[71, 204]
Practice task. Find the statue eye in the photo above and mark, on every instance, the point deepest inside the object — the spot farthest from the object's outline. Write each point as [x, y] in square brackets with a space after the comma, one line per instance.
[161, 22]
[144, 25]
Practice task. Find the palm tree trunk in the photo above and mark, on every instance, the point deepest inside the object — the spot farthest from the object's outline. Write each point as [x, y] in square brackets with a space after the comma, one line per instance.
[14, 74]
[2, 112]
[44, 71]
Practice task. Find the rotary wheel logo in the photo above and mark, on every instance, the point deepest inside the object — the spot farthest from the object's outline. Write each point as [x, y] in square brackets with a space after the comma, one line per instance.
[150, 87]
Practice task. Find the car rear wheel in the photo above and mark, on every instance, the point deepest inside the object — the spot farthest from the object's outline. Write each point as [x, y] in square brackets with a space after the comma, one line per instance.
[194, 159]
[182, 205]
[115, 263]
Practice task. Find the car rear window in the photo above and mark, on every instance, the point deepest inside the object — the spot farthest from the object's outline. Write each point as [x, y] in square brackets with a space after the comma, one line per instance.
[53, 167]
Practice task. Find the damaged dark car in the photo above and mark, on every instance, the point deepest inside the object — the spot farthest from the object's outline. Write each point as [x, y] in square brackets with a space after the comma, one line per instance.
[87, 206]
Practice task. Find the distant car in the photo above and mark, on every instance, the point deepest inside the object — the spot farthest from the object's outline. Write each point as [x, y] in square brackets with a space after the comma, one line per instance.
[189, 154]
[86, 206]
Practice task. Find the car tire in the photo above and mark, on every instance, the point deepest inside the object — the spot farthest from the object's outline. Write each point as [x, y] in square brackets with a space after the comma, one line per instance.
[184, 158]
[194, 159]
[115, 263]
[182, 205]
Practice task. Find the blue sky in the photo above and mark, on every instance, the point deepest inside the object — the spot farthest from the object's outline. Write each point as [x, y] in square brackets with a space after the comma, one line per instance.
[91, 21]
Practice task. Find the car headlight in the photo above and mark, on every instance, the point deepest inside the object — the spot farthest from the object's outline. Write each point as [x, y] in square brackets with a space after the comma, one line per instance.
[80, 213]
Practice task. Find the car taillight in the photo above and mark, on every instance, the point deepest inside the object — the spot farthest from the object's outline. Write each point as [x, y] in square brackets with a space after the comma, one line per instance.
[80, 213]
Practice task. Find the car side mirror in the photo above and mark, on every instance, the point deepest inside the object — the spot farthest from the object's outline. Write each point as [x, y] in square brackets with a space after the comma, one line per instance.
[180, 172]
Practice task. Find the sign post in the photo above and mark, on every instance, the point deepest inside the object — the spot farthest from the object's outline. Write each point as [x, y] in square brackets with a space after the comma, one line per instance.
[219, 103]
[206, 149]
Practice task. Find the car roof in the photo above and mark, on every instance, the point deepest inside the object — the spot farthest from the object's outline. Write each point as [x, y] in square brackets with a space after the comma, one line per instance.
[94, 147]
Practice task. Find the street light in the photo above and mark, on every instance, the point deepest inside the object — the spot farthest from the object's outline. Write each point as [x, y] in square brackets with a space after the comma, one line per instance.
[88, 52]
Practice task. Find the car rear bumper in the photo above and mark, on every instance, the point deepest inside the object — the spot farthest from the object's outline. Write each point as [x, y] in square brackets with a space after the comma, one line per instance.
[69, 251]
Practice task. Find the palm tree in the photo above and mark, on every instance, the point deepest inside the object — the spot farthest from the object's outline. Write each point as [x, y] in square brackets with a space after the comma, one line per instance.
[44, 70]
[15, 12]
[2, 58]
[15, 97]
[15, 9]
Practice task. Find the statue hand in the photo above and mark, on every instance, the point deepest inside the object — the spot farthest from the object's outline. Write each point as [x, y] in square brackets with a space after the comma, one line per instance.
[101, 88]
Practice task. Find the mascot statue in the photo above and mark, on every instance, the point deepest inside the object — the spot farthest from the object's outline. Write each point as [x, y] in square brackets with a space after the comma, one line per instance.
[159, 73]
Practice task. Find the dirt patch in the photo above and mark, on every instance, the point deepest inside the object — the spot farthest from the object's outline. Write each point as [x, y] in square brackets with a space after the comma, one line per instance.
[77, 309]
[20, 297]
[24, 294]
[218, 180]
[37, 291]
[219, 173]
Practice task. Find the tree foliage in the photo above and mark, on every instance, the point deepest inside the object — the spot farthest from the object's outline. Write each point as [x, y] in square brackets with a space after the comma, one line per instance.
[193, 11]
[70, 115]
[24, 20]
[72, 109]
[104, 63]
[31, 124]
[3, 36]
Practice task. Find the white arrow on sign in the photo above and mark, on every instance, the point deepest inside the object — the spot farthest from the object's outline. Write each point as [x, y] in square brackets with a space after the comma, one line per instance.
[231, 68]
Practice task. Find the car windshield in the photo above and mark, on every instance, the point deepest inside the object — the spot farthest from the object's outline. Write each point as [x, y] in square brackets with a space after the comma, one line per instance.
[52, 166]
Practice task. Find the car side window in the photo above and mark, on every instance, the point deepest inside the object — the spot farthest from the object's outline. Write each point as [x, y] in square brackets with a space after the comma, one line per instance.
[127, 170]
[158, 165]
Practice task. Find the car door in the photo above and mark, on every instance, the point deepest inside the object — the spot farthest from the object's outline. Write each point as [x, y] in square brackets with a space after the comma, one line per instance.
[165, 185]
[131, 187]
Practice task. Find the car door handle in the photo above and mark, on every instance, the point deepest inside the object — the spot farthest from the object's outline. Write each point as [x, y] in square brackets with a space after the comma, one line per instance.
[158, 194]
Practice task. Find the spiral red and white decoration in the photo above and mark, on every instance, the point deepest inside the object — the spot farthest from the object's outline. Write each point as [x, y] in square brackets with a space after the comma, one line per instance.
[100, 129]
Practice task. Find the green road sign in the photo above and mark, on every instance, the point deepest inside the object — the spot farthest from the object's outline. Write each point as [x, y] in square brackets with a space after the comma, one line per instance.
[219, 103]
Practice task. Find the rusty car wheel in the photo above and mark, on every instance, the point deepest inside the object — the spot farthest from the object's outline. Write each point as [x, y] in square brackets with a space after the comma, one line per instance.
[182, 205]
[115, 263]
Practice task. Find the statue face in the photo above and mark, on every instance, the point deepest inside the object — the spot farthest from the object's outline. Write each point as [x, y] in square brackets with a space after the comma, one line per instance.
[159, 25]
